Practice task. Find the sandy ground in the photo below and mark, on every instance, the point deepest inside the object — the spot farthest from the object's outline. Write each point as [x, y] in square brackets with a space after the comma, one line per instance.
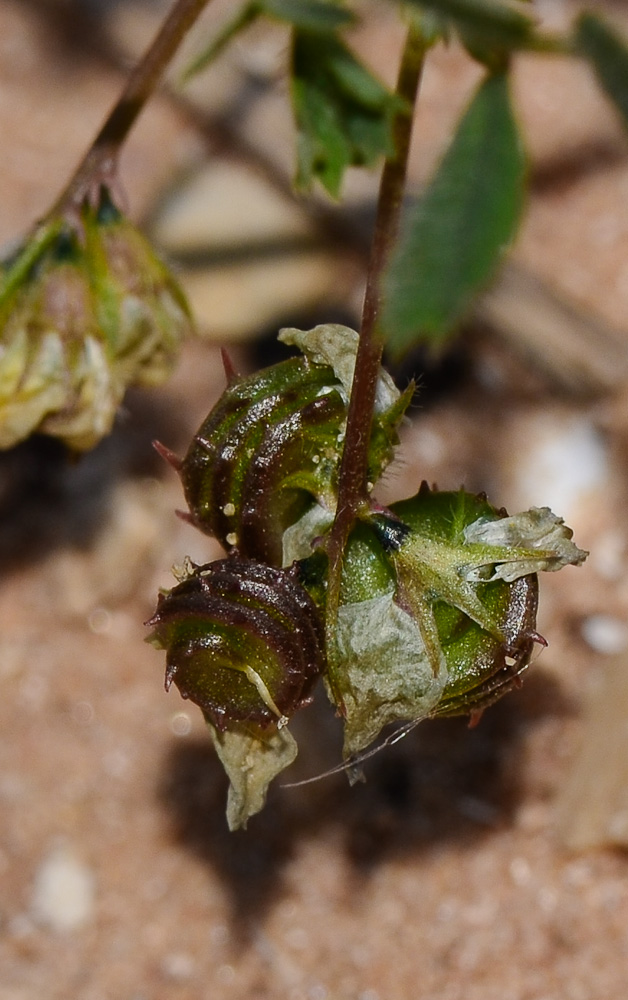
[447, 875]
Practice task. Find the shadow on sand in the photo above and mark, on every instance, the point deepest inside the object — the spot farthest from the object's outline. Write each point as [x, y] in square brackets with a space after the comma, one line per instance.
[443, 783]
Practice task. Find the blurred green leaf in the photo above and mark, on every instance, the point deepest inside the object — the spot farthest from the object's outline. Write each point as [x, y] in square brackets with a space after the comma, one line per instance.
[457, 231]
[344, 114]
[243, 16]
[607, 52]
[487, 22]
[312, 15]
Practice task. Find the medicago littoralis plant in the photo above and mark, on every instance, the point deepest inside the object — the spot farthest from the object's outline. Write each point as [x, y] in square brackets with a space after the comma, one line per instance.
[426, 607]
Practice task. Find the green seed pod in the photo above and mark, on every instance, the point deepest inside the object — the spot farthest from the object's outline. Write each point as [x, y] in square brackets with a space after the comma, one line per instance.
[418, 634]
[485, 629]
[268, 453]
[244, 641]
[86, 309]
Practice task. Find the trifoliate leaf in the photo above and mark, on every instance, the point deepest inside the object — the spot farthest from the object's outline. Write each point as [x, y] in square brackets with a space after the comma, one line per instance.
[607, 52]
[251, 757]
[457, 232]
[534, 541]
[344, 115]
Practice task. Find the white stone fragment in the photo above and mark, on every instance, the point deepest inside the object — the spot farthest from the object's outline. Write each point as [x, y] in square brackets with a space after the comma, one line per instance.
[605, 634]
[64, 891]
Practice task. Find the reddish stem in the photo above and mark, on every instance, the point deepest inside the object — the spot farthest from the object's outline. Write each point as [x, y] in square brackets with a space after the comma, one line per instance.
[353, 494]
[100, 162]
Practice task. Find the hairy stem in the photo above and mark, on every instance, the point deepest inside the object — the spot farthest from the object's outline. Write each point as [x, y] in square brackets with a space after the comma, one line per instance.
[101, 158]
[352, 486]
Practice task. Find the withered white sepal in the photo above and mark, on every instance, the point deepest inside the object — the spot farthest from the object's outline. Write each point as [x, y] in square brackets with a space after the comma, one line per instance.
[534, 541]
[336, 345]
[251, 759]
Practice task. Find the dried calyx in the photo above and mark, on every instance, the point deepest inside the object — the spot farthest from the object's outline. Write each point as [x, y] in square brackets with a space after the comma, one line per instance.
[86, 310]
[438, 593]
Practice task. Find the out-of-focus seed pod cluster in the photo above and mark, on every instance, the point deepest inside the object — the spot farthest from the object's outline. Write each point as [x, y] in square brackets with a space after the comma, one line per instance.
[438, 592]
[86, 310]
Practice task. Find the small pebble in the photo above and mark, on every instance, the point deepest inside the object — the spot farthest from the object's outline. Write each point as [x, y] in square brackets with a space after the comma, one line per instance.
[605, 634]
[63, 894]
[178, 966]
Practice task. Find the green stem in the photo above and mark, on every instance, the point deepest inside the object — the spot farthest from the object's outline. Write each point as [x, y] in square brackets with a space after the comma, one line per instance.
[353, 494]
[100, 161]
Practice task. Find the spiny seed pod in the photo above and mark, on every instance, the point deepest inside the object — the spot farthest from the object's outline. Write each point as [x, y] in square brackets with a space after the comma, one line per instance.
[269, 450]
[244, 641]
[86, 309]
[266, 450]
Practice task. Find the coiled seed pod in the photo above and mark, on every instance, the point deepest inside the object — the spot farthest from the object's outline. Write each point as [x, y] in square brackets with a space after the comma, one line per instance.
[266, 450]
[244, 641]
[269, 450]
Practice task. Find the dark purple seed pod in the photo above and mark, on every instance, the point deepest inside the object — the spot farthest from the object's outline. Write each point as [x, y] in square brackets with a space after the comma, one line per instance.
[244, 641]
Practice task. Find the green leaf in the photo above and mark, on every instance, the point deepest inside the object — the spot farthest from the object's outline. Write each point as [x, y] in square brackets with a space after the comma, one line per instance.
[312, 15]
[243, 16]
[607, 52]
[486, 22]
[344, 114]
[457, 231]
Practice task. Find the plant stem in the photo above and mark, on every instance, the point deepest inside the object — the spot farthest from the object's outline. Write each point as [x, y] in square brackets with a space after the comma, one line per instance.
[101, 158]
[353, 494]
